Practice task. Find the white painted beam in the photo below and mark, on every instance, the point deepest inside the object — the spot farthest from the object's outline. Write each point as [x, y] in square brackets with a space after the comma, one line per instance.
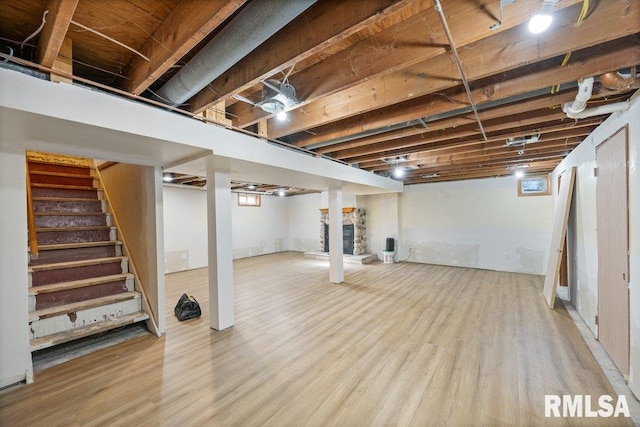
[220, 248]
[45, 116]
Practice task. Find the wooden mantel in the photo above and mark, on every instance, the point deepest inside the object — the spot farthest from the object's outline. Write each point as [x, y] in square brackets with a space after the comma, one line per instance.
[344, 210]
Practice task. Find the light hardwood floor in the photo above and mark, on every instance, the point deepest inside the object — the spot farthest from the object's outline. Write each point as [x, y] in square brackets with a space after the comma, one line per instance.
[403, 344]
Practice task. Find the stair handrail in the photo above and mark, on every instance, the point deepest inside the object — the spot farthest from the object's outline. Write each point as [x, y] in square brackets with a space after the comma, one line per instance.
[152, 323]
[31, 220]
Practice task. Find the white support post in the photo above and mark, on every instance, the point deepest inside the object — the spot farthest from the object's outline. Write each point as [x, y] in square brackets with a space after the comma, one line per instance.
[15, 354]
[220, 258]
[336, 267]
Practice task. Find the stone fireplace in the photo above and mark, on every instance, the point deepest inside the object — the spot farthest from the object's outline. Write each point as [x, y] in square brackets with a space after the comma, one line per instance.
[354, 222]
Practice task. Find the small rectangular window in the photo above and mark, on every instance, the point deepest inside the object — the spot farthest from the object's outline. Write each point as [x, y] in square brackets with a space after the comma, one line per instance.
[248, 199]
[534, 186]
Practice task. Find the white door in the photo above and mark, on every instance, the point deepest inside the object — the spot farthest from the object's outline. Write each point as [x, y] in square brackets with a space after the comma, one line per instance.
[613, 248]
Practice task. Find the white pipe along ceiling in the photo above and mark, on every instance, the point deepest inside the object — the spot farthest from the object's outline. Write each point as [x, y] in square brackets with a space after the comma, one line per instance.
[577, 109]
[258, 21]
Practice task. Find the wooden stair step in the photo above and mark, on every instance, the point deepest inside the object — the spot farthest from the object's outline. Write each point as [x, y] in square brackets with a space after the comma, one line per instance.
[64, 174]
[82, 305]
[63, 186]
[85, 331]
[84, 228]
[64, 199]
[64, 213]
[74, 284]
[72, 264]
[77, 245]
[54, 161]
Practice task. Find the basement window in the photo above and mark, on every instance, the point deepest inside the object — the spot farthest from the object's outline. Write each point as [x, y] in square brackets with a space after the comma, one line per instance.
[534, 186]
[248, 199]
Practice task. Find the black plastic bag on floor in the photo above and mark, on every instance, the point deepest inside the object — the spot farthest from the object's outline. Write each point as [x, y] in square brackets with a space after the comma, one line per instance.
[187, 308]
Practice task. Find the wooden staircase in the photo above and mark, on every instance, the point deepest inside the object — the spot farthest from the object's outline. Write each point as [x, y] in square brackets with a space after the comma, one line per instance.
[79, 280]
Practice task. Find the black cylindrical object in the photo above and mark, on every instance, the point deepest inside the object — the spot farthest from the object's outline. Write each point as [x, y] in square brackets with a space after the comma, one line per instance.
[390, 244]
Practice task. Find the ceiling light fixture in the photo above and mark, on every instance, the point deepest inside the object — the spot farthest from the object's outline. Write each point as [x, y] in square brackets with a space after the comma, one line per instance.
[251, 187]
[526, 165]
[513, 141]
[542, 20]
[395, 160]
[281, 193]
[519, 173]
[398, 172]
[282, 116]
[167, 177]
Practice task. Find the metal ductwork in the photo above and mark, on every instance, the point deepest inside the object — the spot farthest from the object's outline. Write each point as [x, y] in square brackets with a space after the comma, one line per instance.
[258, 21]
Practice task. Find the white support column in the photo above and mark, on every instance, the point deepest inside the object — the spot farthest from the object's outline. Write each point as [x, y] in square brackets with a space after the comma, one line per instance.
[159, 232]
[336, 268]
[15, 354]
[220, 257]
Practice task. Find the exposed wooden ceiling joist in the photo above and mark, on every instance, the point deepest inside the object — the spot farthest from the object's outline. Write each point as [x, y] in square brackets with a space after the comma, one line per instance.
[376, 77]
[187, 25]
[55, 29]
[406, 44]
[588, 62]
[485, 58]
[314, 30]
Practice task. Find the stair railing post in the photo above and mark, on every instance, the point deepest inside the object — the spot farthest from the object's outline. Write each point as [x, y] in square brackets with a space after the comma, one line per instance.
[31, 219]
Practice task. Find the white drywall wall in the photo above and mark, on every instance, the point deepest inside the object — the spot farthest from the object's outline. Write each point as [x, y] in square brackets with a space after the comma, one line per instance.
[259, 230]
[15, 354]
[255, 230]
[382, 221]
[136, 200]
[583, 242]
[476, 223]
[185, 228]
[304, 222]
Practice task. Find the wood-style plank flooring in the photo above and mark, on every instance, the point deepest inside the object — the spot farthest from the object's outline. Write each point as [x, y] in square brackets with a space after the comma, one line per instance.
[402, 344]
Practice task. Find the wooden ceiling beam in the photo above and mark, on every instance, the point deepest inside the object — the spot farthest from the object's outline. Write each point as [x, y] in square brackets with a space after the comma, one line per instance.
[479, 151]
[55, 29]
[442, 163]
[588, 62]
[546, 139]
[316, 29]
[186, 26]
[454, 122]
[499, 136]
[490, 56]
[470, 130]
[540, 169]
[479, 167]
[398, 47]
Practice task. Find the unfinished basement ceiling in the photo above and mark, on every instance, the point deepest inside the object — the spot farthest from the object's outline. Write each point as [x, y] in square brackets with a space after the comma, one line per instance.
[376, 81]
[179, 179]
